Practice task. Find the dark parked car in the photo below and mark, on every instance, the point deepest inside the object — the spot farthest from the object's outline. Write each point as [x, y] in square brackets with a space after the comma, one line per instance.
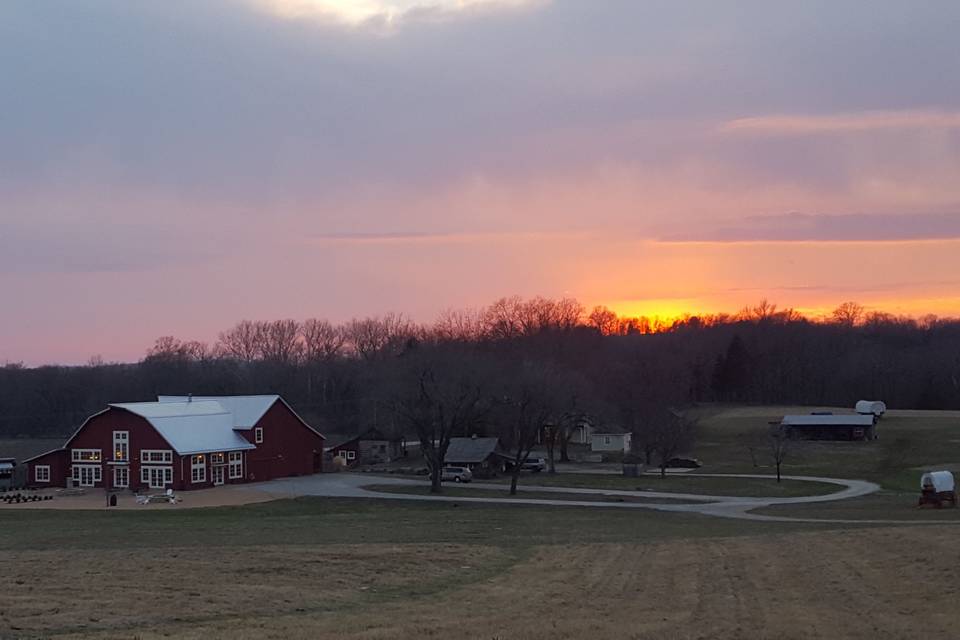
[683, 463]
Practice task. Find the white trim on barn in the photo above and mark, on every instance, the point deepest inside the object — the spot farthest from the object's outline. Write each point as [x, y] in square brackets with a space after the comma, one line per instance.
[156, 456]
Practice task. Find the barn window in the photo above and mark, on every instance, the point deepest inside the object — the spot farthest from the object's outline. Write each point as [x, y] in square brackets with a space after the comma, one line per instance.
[217, 458]
[198, 469]
[351, 455]
[258, 435]
[120, 445]
[121, 477]
[85, 455]
[154, 456]
[156, 477]
[41, 473]
[236, 465]
[86, 475]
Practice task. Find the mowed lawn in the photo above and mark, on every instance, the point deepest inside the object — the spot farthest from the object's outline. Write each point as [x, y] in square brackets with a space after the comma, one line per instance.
[677, 483]
[734, 440]
[319, 568]
[468, 491]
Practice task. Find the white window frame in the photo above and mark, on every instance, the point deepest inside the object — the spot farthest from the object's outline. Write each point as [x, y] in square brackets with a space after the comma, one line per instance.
[41, 477]
[235, 464]
[77, 455]
[147, 477]
[125, 470]
[156, 456]
[218, 458]
[121, 446]
[351, 455]
[198, 468]
[76, 474]
[258, 435]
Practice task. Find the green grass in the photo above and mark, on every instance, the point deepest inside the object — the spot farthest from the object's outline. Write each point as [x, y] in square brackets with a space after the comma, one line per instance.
[311, 521]
[926, 439]
[461, 491]
[679, 483]
[884, 505]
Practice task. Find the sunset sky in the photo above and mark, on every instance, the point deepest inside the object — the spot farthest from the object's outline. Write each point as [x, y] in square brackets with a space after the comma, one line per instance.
[174, 167]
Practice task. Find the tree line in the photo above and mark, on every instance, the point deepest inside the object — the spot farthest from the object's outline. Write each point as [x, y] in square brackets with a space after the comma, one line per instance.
[518, 368]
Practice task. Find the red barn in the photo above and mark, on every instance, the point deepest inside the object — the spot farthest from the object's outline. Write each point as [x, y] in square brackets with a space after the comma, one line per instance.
[183, 442]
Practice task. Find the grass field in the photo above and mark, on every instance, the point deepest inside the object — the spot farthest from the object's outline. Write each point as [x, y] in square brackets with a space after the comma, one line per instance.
[884, 505]
[908, 441]
[679, 483]
[317, 568]
[460, 491]
[399, 570]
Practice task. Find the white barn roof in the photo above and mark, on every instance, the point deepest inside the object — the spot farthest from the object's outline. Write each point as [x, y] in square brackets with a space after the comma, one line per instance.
[246, 410]
[871, 407]
[842, 420]
[191, 427]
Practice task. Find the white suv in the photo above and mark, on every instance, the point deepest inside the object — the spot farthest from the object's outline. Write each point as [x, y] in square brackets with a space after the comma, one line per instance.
[457, 474]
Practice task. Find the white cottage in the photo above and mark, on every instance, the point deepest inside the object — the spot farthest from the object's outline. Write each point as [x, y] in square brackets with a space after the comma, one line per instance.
[619, 442]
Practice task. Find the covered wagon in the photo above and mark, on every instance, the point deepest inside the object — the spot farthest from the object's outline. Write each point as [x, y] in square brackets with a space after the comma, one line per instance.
[874, 408]
[936, 488]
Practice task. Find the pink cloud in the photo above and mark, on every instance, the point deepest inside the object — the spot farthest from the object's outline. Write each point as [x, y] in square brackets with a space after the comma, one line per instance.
[801, 125]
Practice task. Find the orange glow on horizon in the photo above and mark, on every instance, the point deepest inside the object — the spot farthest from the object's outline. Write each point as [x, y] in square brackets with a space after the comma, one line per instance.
[670, 310]
[664, 309]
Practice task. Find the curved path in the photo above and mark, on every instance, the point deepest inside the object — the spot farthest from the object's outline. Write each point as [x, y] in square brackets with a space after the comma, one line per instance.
[353, 485]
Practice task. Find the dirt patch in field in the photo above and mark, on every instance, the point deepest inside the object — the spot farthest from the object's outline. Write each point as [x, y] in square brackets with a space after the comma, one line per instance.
[865, 583]
[111, 592]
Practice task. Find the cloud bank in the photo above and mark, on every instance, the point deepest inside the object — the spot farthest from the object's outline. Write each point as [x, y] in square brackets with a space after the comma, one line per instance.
[171, 167]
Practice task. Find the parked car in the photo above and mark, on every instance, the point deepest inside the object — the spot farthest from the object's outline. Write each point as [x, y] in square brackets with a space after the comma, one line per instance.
[457, 474]
[683, 463]
[534, 464]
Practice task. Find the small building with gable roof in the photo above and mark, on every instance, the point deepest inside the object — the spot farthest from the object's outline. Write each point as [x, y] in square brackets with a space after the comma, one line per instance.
[818, 426]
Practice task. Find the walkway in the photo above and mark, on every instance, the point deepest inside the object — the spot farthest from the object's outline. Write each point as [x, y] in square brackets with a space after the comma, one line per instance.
[352, 485]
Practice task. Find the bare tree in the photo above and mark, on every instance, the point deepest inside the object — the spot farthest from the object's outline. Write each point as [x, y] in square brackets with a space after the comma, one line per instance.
[528, 404]
[502, 319]
[671, 436]
[514, 317]
[322, 341]
[779, 445]
[848, 314]
[242, 342]
[459, 325]
[169, 348]
[371, 337]
[441, 393]
[280, 341]
[604, 321]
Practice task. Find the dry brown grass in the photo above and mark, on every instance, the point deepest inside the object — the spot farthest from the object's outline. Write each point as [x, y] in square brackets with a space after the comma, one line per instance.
[120, 593]
[865, 583]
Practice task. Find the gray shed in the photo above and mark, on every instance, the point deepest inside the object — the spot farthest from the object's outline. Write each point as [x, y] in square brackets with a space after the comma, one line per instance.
[475, 453]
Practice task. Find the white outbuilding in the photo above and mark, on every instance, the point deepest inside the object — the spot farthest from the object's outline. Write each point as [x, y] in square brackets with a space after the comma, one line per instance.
[939, 481]
[871, 408]
[610, 441]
